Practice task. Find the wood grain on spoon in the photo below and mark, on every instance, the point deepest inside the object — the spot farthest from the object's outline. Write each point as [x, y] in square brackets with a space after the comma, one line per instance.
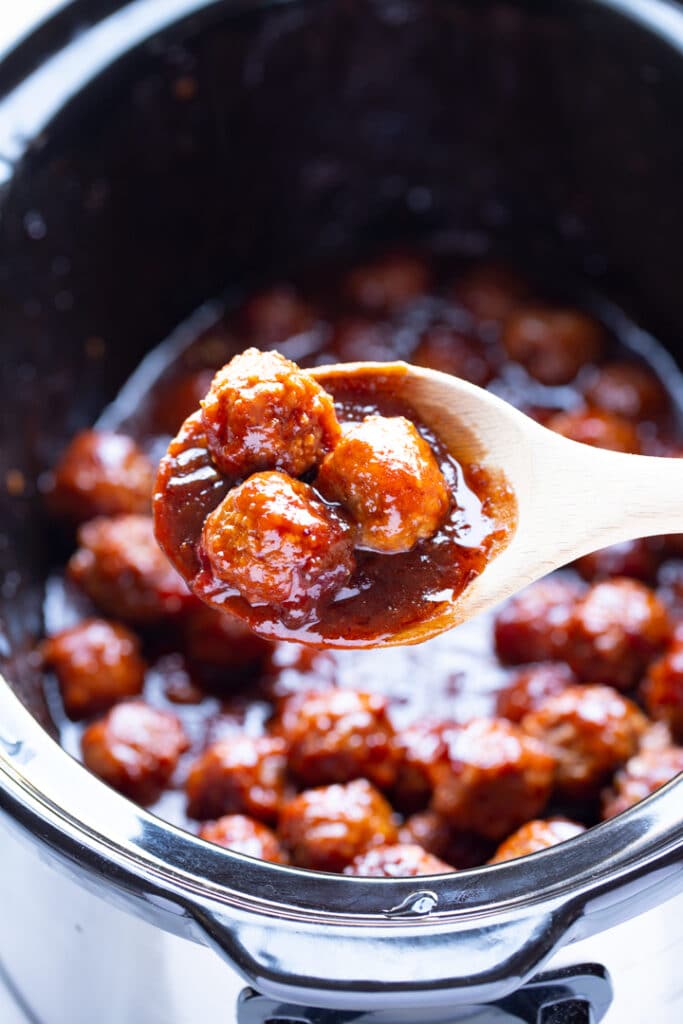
[571, 498]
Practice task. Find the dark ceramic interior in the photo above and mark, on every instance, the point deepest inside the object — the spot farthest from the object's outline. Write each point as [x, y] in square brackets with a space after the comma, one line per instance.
[244, 145]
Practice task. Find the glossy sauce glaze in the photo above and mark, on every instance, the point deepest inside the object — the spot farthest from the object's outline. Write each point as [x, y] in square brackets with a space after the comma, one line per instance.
[229, 689]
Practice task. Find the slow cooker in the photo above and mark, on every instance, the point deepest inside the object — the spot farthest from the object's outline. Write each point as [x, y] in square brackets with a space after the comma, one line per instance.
[552, 131]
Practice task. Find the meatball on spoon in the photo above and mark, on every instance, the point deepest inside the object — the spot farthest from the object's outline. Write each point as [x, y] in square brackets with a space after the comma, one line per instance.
[376, 504]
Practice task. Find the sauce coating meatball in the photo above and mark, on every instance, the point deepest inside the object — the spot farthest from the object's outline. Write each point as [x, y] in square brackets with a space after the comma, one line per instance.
[533, 625]
[553, 344]
[446, 349]
[530, 687]
[388, 283]
[615, 630]
[437, 836]
[637, 559]
[263, 412]
[326, 828]
[628, 390]
[122, 569]
[238, 775]
[493, 778]
[135, 749]
[641, 776]
[97, 664]
[273, 315]
[662, 690]
[536, 835]
[598, 429]
[386, 475]
[338, 735]
[101, 473]
[591, 730]
[419, 746]
[244, 835]
[401, 860]
[277, 544]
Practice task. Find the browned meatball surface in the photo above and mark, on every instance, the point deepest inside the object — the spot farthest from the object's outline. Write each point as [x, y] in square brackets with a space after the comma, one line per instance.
[97, 664]
[615, 630]
[338, 735]
[444, 348]
[244, 835]
[590, 731]
[419, 746]
[493, 778]
[388, 283]
[536, 835]
[491, 292]
[326, 828]
[135, 749]
[101, 473]
[401, 860]
[263, 412]
[626, 389]
[122, 569]
[641, 776]
[553, 344]
[530, 687]
[385, 474]
[273, 315]
[598, 429]
[212, 637]
[359, 339]
[277, 544]
[238, 775]
[662, 690]
[533, 625]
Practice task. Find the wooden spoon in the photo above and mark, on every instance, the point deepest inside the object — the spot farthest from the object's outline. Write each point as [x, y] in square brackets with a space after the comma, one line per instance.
[571, 498]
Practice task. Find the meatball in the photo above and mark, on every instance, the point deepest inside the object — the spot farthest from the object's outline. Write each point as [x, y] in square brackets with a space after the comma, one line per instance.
[533, 625]
[637, 559]
[277, 544]
[402, 860]
[387, 284]
[273, 315]
[535, 836]
[598, 429]
[326, 828]
[530, 686]
[436, 835]
[590, 730]
[662, 690]
[238, 775]
[263, 412]
[493, 778]
[553, 344]
[244, 835]
[97, 664]
[101, 474]
[338, 735]
[615, 630]
[122, 569]
[444, 348]
[135, 749]
[216, 638]
[419, 746]
[641, 776]
[387, 477]
[491, 293]
[628, 390]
